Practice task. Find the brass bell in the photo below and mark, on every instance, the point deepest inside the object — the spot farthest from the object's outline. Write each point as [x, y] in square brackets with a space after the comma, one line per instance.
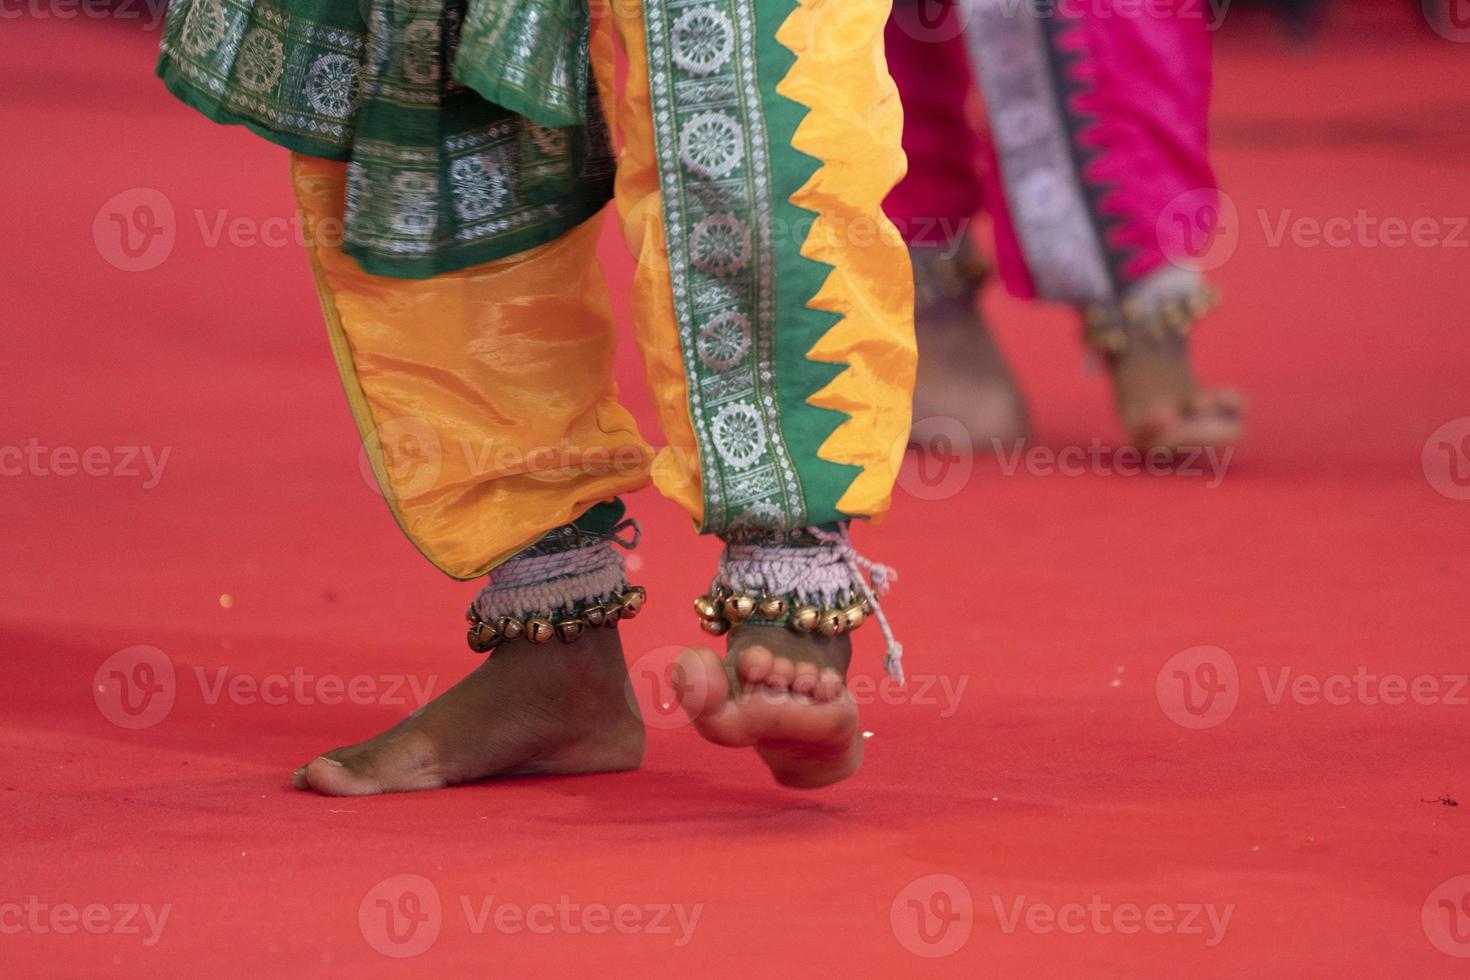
[805, 618]
[854, 616]
[867, 605]
[483, 637]
[833, 621]
[633, 600]
[707, 606]
[611, 614]
[714, 627]
[570, 629]
[594, 615]
[539, 630]
[773, 607]
[510, 628]
[1174, 315]
[739, 608]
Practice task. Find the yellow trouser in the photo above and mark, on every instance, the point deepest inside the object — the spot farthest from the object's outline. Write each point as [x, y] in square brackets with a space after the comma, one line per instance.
[486, 397]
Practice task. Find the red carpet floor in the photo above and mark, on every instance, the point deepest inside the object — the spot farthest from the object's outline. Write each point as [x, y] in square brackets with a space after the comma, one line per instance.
[1035, 764]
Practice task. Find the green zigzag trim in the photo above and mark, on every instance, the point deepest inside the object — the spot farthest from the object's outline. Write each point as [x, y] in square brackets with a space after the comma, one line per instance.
[798, 279]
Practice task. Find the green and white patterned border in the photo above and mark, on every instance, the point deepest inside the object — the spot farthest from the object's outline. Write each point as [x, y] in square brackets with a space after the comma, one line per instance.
[715, 175]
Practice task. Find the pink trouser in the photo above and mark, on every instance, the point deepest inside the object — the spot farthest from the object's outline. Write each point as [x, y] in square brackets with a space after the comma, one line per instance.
[1091, 159]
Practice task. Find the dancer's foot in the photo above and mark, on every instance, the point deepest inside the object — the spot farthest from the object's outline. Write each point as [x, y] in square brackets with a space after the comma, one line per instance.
[963, 378]
[783, 693]
[1162, 406]
[557, 709]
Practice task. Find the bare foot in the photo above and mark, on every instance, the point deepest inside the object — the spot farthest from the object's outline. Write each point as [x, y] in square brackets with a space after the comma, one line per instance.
[783, 693]
[963, 378]
[556, 709]
[1163, 407]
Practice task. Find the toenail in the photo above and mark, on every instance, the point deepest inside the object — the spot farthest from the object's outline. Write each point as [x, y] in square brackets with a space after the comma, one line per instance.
[330, 762]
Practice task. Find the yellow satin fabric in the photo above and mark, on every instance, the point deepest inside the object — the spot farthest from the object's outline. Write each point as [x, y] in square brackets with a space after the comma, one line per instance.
[485, 397]
[640, 207]
[855, 128]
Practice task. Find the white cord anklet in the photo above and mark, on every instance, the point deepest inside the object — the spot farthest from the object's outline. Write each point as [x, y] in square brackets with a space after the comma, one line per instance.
[560, 586]
[826, 586]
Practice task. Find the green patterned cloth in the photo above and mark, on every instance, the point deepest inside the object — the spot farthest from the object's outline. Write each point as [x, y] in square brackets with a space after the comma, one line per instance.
[471, 128]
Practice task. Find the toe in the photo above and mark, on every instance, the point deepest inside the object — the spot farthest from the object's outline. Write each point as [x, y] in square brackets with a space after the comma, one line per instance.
[1156, 425]
[704, 691]
[783, 672]
[829, 685]
[701, 683]
[1221, 401]
[805, 680]
[753, 664]
[330, 777]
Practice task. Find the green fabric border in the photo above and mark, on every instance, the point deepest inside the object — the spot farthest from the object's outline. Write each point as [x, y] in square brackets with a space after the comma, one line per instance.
[798, 280]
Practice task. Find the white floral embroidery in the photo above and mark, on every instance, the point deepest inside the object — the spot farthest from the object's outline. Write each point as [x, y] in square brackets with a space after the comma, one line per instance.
[421, 51]
[262, 57]
[205, 27]
[331, 85]
[415, 204]
[740, 435]
[480, 187]
[711, 144]
[720, 245]
[703, 40]
[724, 340]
